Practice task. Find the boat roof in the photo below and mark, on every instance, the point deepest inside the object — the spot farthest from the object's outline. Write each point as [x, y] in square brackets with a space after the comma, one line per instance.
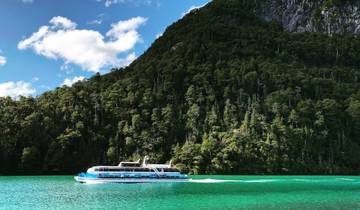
[131, 162]
[146, 166]
[114, 167]
[158, 165]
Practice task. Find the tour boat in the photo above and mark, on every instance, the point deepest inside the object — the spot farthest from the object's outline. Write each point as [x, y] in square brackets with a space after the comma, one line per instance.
[132, 172]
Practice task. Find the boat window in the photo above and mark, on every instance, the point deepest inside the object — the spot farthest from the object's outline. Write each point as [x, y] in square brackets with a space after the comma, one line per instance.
[170, 170]
[134, 169]
[141, 169]
[130, 164]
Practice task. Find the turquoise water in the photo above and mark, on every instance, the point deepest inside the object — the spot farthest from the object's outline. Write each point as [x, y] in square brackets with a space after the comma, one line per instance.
[205, 192]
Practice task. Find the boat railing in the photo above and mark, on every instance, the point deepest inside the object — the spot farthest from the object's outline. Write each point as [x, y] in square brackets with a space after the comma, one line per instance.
[157, 172]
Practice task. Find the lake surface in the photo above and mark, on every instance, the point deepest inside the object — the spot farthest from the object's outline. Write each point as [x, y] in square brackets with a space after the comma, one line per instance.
[204, 192]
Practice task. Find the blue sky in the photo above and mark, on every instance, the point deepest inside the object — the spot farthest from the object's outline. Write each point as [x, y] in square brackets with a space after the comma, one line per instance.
[49, 43]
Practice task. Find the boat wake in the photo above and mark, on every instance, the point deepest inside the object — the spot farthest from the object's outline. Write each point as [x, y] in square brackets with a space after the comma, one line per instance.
[211, 181]
[228, 181]
[303, 180]
[346, 179]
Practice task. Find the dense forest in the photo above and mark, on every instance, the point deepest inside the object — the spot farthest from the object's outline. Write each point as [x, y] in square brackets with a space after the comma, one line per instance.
[221, 92]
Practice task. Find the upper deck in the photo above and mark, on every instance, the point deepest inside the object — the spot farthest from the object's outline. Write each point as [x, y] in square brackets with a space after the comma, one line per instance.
[136, 167]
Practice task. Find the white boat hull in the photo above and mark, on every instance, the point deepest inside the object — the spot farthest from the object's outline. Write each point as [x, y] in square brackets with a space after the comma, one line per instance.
[126, 180]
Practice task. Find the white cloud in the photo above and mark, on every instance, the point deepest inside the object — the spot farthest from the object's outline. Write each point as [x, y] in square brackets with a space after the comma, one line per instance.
[62, 23]
[69, 82]
[27, 1]
[35, 79]
[192, 8]
[98, 21]
[95, 22]
[2, 60]
[129, 59]
[159, 35]
[88, 49]
[108, 3]
[16, 89]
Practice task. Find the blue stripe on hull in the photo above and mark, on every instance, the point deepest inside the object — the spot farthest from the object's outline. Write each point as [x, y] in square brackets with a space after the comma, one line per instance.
[130, 177]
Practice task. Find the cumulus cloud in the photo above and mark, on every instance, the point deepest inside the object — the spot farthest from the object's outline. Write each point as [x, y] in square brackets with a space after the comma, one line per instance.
[191, 9]
[62, 23]
[2, 60]
[69, 82]
[88, 49]
[16, 89]
[108, 3]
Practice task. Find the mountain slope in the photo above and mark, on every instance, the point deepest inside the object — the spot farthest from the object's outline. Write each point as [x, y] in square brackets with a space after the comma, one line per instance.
[325, 16]
[222, 91]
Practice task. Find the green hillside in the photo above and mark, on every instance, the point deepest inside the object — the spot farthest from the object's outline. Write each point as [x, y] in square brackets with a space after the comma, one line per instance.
[221, 92]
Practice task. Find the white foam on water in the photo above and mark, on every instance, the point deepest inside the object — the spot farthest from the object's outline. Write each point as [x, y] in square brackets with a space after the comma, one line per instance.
[304, 180]
[229, 181]
[212, 180]
[260, 181]
[346, 179]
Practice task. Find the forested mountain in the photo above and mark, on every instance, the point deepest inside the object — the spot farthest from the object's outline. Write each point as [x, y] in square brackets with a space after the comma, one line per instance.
[222, 91]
